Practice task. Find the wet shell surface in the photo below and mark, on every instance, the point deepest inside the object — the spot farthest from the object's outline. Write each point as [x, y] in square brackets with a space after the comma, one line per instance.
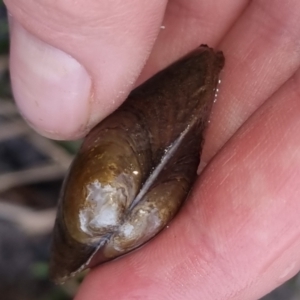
[135, 168]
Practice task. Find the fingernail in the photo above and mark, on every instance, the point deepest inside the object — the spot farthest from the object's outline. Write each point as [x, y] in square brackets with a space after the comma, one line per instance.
[51, 88]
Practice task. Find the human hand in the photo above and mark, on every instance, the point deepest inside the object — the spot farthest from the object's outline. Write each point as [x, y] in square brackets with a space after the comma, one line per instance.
[237, 237]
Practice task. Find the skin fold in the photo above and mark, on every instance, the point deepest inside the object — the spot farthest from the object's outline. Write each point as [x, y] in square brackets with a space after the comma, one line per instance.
[237, 237]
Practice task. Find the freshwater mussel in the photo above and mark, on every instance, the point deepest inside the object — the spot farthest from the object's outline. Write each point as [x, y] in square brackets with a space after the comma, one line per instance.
[136, 167]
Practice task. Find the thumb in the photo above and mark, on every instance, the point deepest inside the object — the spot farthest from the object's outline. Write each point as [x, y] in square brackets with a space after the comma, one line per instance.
[73, 63]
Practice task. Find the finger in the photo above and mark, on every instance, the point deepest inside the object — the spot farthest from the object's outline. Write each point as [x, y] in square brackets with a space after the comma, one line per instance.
[262, 51]
[238, 235]
[72, 63]
[186, 25]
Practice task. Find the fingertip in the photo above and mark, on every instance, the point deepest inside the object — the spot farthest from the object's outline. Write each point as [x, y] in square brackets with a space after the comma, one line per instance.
[51, 89]
[71, 69]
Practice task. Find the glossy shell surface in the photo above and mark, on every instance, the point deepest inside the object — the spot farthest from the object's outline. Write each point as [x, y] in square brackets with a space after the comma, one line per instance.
[135, 168]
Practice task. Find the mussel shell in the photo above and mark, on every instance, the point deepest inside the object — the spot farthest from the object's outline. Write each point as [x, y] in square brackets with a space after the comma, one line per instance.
[136, 167]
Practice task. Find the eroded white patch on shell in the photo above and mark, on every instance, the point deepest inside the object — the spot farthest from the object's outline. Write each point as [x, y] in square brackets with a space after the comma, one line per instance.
[127, 229]
[102, 208]
[137, 231]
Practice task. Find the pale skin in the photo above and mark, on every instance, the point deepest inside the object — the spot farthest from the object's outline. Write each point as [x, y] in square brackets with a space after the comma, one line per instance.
[238, 235]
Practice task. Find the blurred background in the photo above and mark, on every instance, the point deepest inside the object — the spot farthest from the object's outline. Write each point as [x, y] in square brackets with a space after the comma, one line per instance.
[31, 173]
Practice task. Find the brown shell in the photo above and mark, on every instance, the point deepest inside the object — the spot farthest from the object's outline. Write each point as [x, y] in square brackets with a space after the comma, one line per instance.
[136, 167]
